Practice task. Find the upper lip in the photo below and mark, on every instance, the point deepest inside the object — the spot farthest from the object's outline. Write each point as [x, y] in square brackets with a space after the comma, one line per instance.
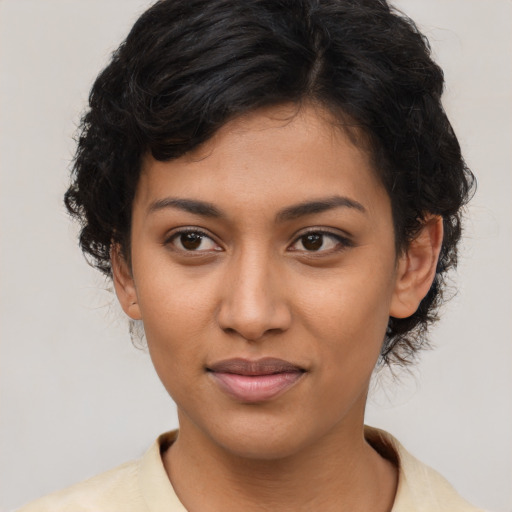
[264, 366]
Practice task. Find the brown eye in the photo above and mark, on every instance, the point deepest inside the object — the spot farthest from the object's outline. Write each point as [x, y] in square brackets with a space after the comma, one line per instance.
[193, 241]
[312, 242]
[320, 241]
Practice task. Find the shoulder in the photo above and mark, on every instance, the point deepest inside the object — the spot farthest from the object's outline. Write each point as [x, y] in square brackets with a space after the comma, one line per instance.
[106, 492]
[420, 488]
[137, 486]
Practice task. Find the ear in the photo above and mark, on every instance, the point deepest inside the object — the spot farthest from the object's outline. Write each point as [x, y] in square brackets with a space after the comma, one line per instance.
[124, 283]
[417, 268]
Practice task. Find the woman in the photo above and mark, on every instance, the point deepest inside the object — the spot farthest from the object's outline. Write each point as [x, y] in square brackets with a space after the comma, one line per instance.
[275, 190]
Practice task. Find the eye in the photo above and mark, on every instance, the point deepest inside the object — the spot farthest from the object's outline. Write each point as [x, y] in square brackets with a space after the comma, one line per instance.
[320, 241]
[193, 241]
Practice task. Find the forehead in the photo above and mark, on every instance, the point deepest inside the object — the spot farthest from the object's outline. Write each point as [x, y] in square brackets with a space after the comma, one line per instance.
[266, 159]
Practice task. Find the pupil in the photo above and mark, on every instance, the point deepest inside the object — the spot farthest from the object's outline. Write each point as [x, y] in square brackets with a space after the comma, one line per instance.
[191, 241]
[312, 242]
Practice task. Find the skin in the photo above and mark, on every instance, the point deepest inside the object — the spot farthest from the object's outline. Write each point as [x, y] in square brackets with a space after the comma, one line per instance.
[255, 287]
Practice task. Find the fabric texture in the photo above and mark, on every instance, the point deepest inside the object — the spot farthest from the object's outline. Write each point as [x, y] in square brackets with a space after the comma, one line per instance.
[143, 485]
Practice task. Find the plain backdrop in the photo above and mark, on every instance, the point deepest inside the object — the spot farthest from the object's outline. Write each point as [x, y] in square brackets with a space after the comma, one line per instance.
[77, 398]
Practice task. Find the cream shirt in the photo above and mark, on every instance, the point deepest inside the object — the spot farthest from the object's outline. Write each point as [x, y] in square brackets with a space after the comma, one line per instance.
[143, 485]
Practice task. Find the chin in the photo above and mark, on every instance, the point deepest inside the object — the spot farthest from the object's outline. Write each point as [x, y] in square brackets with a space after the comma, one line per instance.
[261, 447]
[263, 438]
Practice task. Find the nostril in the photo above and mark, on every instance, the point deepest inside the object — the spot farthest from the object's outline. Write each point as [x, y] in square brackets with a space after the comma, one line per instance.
[252, 313]
[273, 331]
[252, 334]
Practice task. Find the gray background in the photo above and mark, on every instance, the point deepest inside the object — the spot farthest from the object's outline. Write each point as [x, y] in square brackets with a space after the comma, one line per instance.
[77, 398]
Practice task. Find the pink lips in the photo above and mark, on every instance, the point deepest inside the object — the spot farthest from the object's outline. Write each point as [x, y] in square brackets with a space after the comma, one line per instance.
[255, 381]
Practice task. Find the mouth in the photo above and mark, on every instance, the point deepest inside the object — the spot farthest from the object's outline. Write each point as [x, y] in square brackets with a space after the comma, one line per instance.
[255, 381]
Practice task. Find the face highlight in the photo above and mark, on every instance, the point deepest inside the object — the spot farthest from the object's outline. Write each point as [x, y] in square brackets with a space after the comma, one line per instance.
[263, 266]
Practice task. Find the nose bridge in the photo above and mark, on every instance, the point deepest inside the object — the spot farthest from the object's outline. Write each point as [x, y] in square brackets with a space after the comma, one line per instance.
[253, 302]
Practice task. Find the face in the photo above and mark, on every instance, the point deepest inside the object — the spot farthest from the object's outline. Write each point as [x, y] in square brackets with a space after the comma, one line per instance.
[263, 267]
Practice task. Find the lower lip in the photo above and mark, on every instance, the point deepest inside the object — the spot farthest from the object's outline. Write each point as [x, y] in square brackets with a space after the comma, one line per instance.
[255, 388]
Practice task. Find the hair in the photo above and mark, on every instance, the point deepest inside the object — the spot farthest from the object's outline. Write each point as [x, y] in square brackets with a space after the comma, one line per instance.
[187, 67]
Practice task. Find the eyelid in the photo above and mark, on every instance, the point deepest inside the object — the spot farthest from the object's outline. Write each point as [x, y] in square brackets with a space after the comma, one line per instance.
[324, 230]
[343, 237]
[176, 232]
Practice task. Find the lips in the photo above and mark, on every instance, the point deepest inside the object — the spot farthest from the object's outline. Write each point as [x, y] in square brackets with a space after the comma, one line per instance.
[255, 381]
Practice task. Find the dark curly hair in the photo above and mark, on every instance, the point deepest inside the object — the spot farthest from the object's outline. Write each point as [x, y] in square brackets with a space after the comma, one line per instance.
[189, 66]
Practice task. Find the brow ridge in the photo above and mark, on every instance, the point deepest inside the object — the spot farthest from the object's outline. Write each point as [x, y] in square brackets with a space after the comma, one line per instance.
[318, 206]
[206, 209]
[193, 206]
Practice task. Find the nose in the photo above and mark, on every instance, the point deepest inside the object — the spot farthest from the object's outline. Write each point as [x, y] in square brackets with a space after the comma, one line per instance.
[253, 301]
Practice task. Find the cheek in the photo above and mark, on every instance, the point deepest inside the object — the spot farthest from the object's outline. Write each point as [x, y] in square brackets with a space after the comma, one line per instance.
[169, 293]
[348, 323]
[349, 311]
[176, 312]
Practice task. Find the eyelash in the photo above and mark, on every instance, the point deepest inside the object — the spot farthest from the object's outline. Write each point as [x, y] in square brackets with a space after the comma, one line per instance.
[342, 241]
[192, 230]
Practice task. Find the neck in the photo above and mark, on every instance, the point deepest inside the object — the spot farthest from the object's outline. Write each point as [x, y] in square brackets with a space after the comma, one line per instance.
[340, 472]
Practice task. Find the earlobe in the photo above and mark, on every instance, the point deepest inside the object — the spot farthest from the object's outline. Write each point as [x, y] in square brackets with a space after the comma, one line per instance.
[417, 268]
[124, 283]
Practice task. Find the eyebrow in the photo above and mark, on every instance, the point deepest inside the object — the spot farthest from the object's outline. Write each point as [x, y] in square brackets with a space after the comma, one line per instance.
[205, 209]
[188, 205]
[318, 206]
